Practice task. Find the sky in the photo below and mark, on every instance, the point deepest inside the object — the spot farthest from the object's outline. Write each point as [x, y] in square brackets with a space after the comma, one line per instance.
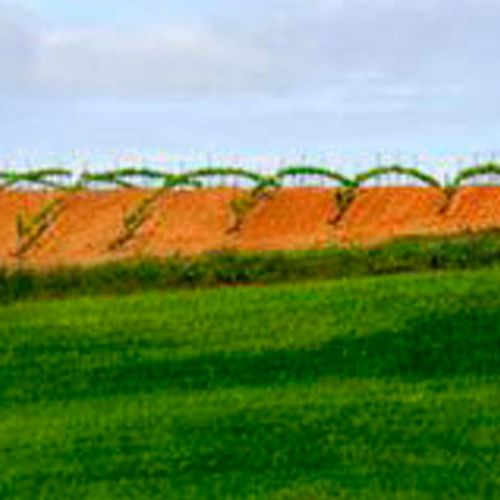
[282, 77]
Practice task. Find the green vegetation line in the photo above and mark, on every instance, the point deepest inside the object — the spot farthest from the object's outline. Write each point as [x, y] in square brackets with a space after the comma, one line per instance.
[226, 268]
[127, 177]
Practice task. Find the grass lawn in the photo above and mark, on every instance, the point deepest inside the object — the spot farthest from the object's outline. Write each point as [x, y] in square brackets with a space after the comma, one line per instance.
[382, 387]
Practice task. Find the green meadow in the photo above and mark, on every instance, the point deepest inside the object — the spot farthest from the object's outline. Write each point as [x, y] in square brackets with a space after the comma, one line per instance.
[368, 387]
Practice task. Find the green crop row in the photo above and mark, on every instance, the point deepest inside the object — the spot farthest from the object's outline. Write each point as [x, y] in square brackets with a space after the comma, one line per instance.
[133, 177]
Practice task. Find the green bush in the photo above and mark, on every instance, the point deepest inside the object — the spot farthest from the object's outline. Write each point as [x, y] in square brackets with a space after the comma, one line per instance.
[477, 171]
[397, 169]
[258, 179]
[107, 177]
[44, 177]
[325, 172]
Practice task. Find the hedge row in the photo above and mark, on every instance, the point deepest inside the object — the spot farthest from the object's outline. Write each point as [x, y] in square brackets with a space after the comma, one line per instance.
[220, 268]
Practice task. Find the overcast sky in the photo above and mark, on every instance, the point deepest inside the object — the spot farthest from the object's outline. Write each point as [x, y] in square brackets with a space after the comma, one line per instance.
[254, 77]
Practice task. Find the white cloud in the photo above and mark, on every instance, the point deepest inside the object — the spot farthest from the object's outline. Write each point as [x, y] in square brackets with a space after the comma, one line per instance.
[311, 68]
[19, 42]
[166, 60]
[163, 59]
[288, 46]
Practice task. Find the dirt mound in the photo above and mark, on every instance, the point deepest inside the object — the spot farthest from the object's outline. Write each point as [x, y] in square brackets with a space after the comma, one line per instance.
[90, 221]
[187, 222]
[378, 214]
[291, 219]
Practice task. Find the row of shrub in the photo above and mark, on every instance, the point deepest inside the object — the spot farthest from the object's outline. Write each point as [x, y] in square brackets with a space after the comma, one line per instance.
[131, 177]
[223, 269]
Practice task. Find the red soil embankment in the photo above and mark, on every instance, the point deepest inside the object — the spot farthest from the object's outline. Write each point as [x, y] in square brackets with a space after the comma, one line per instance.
[12, 205]
[290, 219]
[472, 209]
[187, 222]
[89, 223]
[379, 214]
[196, 221]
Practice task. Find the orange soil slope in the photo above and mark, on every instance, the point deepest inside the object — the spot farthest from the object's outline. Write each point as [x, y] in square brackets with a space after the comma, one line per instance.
[291, 219]
[12, 205]
[88, 224]
[472, 209]
[187, 222]
[378, 214]
[196, 221]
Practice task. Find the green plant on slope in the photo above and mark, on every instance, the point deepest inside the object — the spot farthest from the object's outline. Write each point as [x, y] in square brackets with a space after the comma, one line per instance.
[171, 181]
[344, 197]
[30, 230]
[477, 171]
[449, 192]
[43, 177]
[397, 169]
[107, 177]
[300, 170]
[243, 205]
[255, 177]
[133, 221]
[126, 175]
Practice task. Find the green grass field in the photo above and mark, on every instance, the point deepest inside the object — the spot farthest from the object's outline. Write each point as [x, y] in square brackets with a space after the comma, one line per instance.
[381, 387]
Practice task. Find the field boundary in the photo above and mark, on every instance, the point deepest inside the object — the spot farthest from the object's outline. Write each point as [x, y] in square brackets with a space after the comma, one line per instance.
[411, 255]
